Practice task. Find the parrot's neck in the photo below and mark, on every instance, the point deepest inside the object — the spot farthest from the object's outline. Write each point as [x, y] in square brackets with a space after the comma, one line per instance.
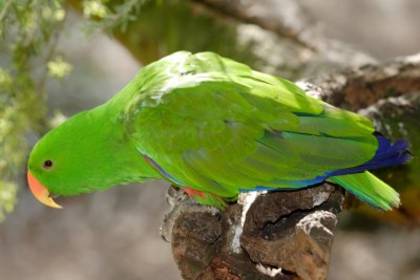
[124, 164]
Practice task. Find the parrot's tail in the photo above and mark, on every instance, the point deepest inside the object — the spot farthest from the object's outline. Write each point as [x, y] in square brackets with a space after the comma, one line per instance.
[369, 188]
[388, 154]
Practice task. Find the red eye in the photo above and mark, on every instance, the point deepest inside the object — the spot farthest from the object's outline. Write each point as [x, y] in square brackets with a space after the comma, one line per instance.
[48, 164]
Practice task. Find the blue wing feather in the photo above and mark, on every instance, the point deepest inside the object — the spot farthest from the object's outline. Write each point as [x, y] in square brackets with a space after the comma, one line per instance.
[388, 154]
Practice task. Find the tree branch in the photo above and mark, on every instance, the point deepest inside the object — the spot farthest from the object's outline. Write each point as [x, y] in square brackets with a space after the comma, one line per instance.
[281, 235]
[291, 23]
[357, 88]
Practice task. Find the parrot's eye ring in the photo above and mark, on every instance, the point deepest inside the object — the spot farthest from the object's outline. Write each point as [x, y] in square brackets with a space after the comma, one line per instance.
[48, 164]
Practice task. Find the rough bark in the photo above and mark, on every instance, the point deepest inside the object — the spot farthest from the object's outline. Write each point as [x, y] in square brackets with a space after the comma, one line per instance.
[358, 88]
[281, 235]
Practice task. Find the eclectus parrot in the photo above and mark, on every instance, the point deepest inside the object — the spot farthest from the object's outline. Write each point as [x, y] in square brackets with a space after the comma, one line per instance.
[216, 128]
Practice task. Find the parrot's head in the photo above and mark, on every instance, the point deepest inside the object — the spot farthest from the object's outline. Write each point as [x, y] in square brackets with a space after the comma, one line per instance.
[60, 162]
[81, 155]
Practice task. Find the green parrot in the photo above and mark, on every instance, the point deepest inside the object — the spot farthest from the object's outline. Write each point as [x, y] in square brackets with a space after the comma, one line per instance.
[215, 128]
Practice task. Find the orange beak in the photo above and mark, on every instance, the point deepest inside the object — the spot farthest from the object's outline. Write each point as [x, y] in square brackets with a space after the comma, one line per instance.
[40, 192]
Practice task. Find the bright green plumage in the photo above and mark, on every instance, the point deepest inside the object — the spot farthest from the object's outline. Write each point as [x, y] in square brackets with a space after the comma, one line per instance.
[217, 126]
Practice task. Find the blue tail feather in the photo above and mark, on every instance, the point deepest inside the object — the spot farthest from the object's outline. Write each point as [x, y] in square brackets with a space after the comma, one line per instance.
[386, 155]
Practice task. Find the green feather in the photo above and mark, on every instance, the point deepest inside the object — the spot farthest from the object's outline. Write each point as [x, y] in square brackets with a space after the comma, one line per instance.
[369, 188]
[216, 117]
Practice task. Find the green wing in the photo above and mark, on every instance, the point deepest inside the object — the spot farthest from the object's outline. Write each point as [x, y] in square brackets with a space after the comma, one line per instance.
[216, 125]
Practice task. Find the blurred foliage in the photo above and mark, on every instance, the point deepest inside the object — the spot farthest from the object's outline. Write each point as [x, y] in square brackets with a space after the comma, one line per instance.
[7, 198]
[108, 14]
[58, 68]
[29, 31]
[95, 9]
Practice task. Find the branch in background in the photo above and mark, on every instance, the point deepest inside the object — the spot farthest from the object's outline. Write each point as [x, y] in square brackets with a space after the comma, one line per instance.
[286, 18]
[285, 38]
[358, 88]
